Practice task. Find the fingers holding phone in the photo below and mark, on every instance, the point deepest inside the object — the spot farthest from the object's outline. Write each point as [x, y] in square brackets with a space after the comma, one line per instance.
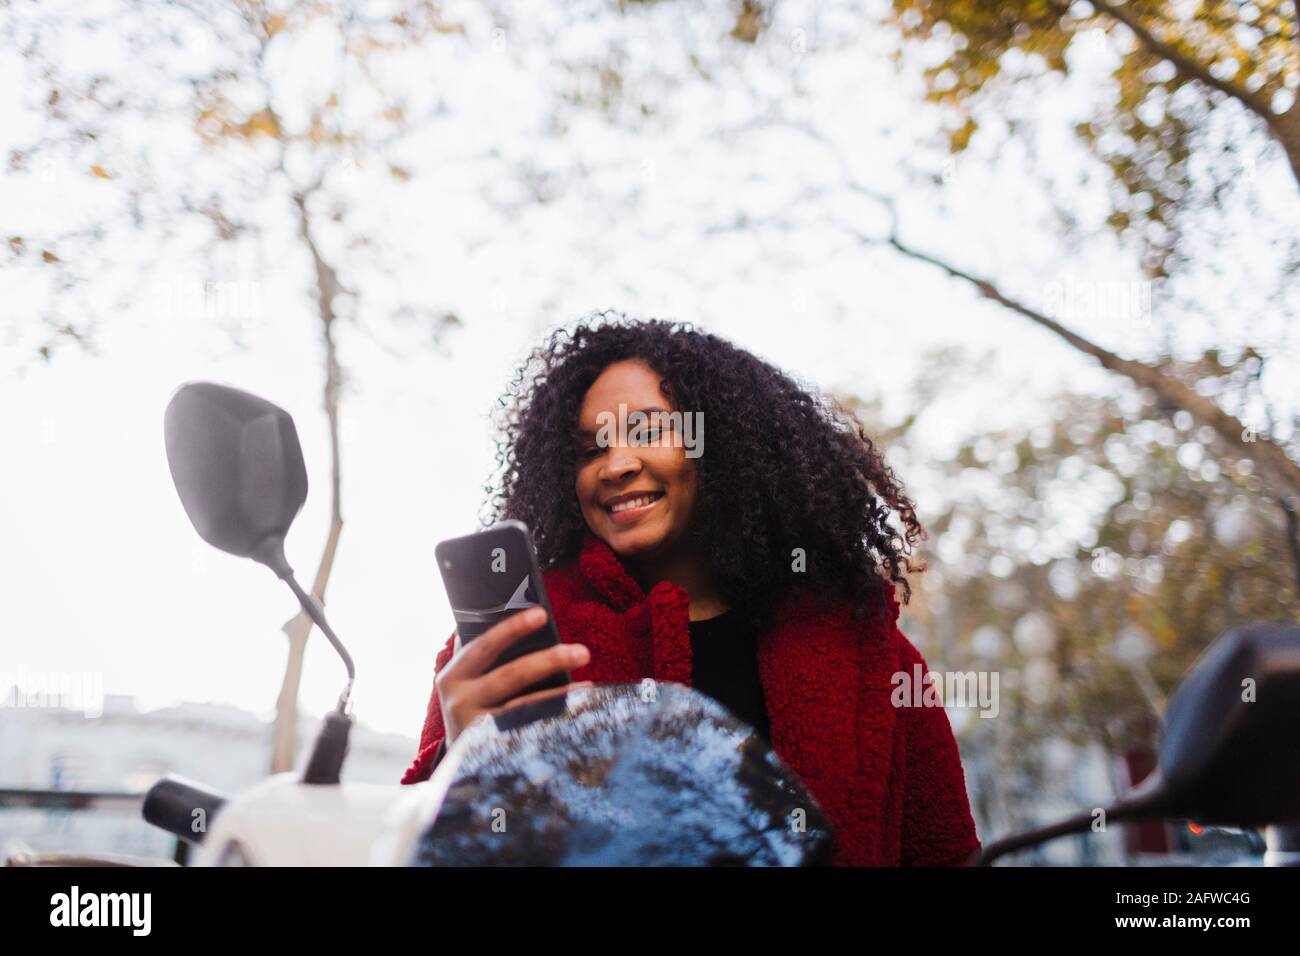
[472, 684]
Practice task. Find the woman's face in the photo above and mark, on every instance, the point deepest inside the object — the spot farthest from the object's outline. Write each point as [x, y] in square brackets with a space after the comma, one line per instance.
[620, 469]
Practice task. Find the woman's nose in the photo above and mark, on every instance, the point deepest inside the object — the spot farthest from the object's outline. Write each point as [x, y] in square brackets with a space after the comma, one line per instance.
[620, 463]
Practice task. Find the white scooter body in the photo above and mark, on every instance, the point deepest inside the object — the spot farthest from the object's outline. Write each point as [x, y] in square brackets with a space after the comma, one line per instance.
[282, 821]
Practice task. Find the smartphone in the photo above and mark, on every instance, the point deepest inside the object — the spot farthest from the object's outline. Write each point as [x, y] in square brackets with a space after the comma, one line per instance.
[491, 575]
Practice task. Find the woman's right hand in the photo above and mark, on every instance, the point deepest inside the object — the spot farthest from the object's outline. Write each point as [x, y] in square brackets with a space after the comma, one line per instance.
[469, 685]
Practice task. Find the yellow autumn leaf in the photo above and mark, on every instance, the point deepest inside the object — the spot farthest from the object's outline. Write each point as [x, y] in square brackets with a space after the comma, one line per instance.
[261, 123]
[749, 22]
[959, 138]
[100, 172]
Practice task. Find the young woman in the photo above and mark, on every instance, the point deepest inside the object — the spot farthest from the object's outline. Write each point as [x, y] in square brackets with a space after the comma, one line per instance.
[749, 546]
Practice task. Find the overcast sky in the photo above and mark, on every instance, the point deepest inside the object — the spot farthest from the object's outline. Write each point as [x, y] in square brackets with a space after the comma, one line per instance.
[101, 570]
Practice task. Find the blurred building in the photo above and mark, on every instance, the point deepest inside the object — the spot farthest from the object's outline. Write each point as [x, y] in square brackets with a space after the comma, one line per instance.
[127, 749]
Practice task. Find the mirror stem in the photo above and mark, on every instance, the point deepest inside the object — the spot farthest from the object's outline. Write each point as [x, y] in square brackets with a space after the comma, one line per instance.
[1147, 800]
[325, 764]
[317, 614]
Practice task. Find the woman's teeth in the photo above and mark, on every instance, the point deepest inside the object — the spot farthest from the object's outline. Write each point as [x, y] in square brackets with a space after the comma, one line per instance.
[634, 503]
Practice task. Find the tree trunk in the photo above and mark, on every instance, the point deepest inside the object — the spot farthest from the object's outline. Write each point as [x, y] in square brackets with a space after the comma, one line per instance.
[285, 733]
[1286, 130]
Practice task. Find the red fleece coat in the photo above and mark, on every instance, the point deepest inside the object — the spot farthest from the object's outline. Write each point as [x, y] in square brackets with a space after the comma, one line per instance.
[889, 778]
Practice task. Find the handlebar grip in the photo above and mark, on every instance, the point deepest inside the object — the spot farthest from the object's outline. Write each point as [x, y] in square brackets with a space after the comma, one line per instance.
[181, 807]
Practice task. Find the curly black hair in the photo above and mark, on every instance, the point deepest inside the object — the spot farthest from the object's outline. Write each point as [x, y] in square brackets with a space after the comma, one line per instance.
[784, 468]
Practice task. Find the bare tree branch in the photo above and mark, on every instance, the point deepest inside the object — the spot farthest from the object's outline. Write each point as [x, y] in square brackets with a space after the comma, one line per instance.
[1273, 461]
[1282, 471]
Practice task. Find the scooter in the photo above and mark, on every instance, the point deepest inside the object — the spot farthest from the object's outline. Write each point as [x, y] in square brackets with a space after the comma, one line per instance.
[628, 774]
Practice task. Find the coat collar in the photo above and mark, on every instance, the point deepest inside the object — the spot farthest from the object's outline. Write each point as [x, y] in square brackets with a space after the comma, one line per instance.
[606, 573]
[661, 617]
[826, 677]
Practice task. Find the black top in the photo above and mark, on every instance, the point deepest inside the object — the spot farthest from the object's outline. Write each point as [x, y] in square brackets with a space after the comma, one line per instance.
[724, 665]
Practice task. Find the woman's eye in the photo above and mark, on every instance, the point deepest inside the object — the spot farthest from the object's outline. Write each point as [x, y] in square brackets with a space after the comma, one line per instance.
[651, 435]
[586, 453]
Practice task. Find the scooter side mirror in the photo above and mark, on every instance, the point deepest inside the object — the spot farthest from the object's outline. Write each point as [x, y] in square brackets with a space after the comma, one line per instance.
[238, 468]
[1229, 753]
[237, 465]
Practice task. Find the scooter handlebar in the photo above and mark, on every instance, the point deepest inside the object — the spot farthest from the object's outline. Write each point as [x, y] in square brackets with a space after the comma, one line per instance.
[181, 807]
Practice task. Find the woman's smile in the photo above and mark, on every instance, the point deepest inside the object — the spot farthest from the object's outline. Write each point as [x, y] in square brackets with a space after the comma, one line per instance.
[632, 506]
